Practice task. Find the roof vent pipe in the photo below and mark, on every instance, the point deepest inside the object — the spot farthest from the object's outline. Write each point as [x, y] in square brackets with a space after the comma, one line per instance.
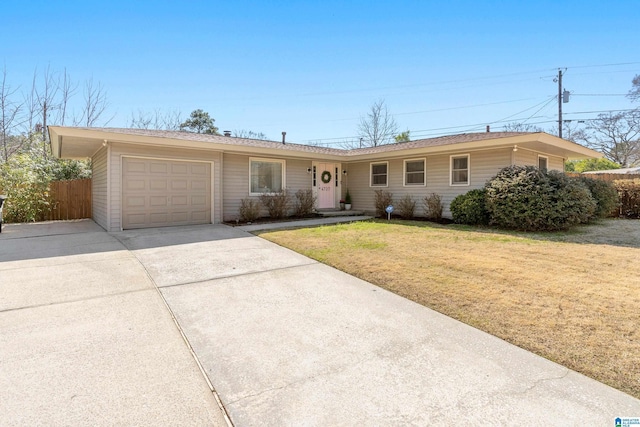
[488, 129]
[283, 135]
[227, 133]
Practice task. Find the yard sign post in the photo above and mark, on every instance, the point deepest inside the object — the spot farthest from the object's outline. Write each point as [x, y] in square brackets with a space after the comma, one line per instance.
[389, 209]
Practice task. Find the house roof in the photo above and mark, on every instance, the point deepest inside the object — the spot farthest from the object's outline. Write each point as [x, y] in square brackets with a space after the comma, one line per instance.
[79, 142]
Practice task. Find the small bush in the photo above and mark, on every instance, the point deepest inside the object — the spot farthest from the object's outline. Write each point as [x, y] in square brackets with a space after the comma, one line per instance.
[249, 209]
[527, 198]
[383, 199]
[24, 179]
[305, 203]
[470, 208]
[406, 207]
[433, 207]
[605, 195]
[277, 204]
[629, 193]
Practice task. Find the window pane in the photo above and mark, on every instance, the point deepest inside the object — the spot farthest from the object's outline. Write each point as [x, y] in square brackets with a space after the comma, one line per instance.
[266, 177]
[415, 178]
[380, 180]
[542, 163]
[415, 166]
[380, 168]
[460, 177]
[460, 163]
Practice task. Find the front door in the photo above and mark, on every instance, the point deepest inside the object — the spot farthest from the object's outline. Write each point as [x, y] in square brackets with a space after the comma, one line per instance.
[326, 184]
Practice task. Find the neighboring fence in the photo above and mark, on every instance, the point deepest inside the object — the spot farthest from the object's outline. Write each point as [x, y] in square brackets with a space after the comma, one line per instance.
[70, 199]
[606, 176]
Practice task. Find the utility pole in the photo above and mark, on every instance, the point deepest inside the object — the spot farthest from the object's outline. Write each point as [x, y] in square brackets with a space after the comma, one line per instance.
[559, 103]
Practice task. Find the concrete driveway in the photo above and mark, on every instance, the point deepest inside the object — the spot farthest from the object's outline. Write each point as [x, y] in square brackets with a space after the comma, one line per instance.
[283, 339]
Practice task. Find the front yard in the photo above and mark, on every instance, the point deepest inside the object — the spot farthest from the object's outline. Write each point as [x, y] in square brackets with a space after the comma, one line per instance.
[571, 297]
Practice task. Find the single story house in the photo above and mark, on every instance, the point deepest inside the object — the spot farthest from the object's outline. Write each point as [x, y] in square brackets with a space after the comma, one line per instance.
[152, 178]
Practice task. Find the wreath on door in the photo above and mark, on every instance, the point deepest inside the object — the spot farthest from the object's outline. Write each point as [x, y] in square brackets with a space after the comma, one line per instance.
[326, 177]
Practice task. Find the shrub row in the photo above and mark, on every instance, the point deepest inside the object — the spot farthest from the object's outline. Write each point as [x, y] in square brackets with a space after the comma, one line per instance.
[278, 205]
[528, 198]
[406, 206]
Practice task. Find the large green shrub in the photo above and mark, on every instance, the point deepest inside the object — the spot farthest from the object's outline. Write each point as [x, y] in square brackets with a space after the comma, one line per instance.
[629, 192]
[527, 198]
[25, 182]
[470, 208]
[605, 195]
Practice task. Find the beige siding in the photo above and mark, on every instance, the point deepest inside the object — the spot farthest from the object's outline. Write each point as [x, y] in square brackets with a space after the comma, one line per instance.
[99, 188]
[120, 150]
[483, 166]
[236, 181]
[530, 158]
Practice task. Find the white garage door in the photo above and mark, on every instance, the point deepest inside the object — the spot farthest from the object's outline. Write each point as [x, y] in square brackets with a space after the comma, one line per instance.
[160, 193]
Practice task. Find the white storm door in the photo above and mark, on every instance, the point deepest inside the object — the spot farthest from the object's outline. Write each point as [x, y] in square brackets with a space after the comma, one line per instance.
[326, 190]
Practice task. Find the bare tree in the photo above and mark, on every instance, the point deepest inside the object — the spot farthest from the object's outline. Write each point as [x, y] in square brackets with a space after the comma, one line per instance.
[95, 104]
[9, 110]
[46, 97]
[378, 127]
[249, 134]
[634, 92]
[521, 127]
[156, 120]
[617, 136]
[67, 90]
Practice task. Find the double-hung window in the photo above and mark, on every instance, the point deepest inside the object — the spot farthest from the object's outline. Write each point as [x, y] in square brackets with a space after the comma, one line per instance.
[266, 176]
[414, 172]
[379, 174]
[460, 170]
[543, 162]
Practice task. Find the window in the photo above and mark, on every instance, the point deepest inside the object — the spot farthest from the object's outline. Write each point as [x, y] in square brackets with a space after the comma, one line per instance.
[414, 172]
[460, 170]
[266, 176]
[542, 162]
[379, 174]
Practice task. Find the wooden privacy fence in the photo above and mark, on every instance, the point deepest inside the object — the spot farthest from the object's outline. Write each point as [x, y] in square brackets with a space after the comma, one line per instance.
[606, 176]
[70, 199]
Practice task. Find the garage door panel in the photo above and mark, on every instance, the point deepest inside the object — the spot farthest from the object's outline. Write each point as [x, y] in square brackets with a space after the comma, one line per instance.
[156, 201]
[158, 184]
[199, 169]
[158, 168]
[135, 166]
[135, 184]
[180, 201]
[159, 193]
[179, 168]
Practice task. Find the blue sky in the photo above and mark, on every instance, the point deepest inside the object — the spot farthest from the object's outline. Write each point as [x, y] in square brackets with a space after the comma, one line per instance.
[313, 68]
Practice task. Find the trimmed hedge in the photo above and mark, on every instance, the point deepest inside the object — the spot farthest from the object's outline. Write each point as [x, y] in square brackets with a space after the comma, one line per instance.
[629, 193]
[527, 198]
[605, 195]
[470, 208]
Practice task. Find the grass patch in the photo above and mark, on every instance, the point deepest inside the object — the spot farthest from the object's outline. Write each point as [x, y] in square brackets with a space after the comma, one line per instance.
[572, 297]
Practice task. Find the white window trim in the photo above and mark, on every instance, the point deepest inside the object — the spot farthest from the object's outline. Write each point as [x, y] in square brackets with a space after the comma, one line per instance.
[371, 174]
[459, 184]
[263, 159]
[424, 171]
[540, 156]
